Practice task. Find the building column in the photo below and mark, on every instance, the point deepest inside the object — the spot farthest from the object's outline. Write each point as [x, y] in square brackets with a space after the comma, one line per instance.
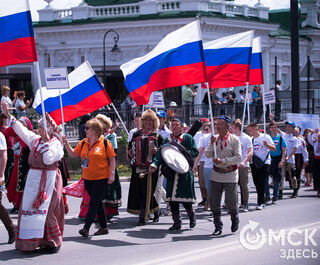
[76, 57]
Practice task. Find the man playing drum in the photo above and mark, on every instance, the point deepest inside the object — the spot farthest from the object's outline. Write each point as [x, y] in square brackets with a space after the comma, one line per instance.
[176, 157]
[224, 176]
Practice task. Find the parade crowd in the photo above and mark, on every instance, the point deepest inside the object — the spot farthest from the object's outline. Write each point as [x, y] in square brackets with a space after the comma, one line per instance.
[164, 157]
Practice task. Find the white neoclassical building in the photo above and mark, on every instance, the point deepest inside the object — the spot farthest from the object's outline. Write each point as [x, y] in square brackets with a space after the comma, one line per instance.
[66, 38]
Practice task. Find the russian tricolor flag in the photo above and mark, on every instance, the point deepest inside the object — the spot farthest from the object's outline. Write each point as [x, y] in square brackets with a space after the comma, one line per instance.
[177, 60]
[17, 44]
[85, 95]
[228, 60]
[256, 68]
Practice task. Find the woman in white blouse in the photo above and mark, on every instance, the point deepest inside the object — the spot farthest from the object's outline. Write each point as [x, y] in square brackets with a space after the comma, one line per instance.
[41, 215]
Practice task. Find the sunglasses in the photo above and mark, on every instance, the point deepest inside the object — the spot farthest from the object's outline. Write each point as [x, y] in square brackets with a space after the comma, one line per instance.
[87, 128]
[206, 129]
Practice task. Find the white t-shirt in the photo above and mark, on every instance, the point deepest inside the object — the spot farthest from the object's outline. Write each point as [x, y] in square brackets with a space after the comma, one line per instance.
[292, 142]
[302, 149]
[6, 100]
[197, 137]
[3, 144]
[246, 143]
[260, 150]
[20, 103]
[203, 142]
[132, 131]
[165, 132]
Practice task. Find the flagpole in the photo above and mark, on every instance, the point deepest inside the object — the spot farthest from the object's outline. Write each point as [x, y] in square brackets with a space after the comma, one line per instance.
[244, 112]
[36, 64]
[247, 98]
[264, 111]
[211, 118]
[270, 111]
[62, 118]
[124, 126]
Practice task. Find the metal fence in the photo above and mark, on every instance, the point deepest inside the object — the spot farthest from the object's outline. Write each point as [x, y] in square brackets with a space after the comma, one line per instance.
[188, 113]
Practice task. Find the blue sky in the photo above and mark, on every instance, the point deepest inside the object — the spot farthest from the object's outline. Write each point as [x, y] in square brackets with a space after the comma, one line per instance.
[60, 4]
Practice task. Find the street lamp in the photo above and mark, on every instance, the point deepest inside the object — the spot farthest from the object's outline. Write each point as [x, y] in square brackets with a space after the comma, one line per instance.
[115, 49]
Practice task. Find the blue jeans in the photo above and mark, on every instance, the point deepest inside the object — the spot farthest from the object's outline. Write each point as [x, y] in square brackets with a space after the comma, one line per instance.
[275, 171]
[207, 176]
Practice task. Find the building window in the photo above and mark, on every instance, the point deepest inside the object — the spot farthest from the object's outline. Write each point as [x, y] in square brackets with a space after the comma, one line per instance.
[284, 81]
[272, 80]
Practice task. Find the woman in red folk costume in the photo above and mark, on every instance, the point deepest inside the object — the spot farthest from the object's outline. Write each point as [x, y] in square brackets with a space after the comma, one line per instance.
[41, 215]
[21, 166]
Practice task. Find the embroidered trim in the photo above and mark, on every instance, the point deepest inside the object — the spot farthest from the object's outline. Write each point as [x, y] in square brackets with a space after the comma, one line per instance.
[33, 212]
[174, 192]
[12, 121]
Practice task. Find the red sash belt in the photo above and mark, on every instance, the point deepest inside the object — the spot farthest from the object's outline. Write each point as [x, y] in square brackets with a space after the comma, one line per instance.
[226, 169]
[42, 195]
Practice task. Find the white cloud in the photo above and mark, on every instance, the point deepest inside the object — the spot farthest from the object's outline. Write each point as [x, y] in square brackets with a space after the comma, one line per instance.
[61, 4]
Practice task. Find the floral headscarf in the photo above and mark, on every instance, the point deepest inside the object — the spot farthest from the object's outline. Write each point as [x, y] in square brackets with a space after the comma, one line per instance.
[26, 122]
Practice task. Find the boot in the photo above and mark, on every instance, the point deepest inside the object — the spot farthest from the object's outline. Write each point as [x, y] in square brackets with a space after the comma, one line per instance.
[142, 220]
[294, 194]
[235, 220]
[280, 195]
[156, 216]
[192, 218]
[217, 223]
[176, 221]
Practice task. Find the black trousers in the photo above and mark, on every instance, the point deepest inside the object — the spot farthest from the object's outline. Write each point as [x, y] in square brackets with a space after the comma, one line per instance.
[316, 174]
[96, 189]
[174, 206]
[9, 166]
[259, 179]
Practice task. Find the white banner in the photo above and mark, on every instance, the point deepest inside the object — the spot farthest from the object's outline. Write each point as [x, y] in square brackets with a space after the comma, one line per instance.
[269, 97]
[304, 120]
[156, 100]
[56, 78]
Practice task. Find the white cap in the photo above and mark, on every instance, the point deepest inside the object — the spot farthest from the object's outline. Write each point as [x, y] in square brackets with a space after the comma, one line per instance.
[173, 104]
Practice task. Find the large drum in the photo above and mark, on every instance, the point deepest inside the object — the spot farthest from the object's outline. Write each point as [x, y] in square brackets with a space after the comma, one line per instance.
[175, 159]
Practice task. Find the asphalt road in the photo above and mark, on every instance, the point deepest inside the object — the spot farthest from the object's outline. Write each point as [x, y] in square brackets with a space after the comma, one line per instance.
[256, 242]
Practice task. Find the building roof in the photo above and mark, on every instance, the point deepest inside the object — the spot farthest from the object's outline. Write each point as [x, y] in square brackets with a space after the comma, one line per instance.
[163, 15]
[282, 17]
[110, 2]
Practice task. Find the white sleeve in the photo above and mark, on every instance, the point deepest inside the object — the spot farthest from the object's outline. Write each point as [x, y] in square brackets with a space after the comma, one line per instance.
[3, 143]
[269, 139]
[249, 142]
[296, 142]
[283, 134]
[54, 153]
[25, 134]
[130, 136]
[305, 153]
[311, 139]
